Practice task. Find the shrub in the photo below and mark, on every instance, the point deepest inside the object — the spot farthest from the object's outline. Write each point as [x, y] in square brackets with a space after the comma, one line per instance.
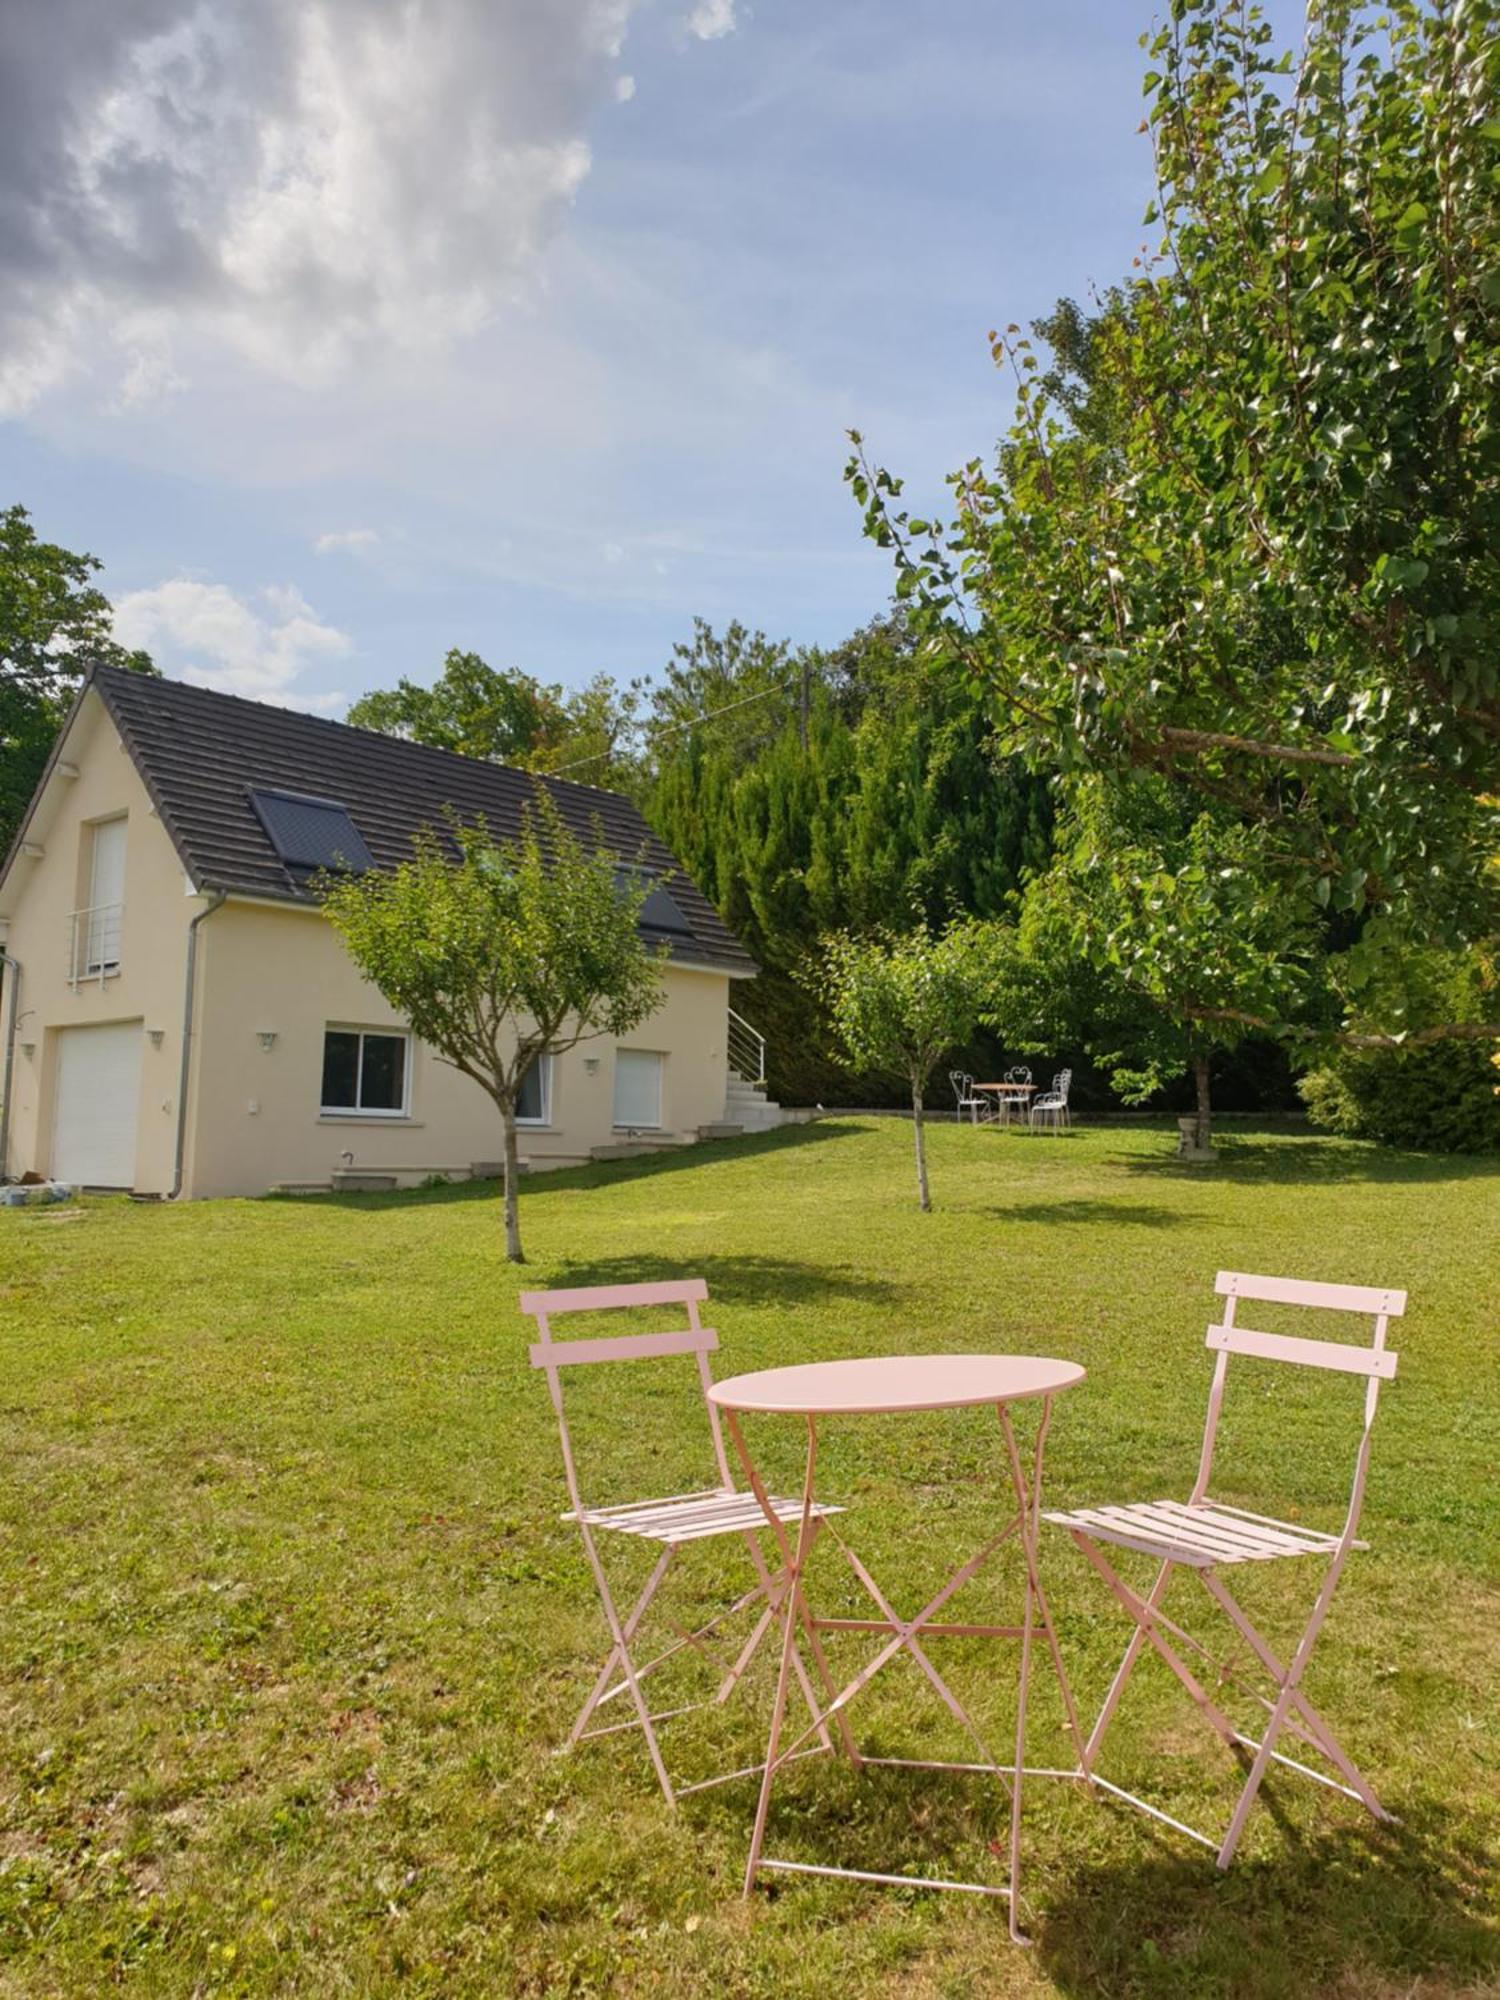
[1441, 1098]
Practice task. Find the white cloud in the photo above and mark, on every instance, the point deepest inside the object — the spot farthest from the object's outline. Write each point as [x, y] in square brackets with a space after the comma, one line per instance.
[711, 19]
[345, 541]
[624, 89]
[204, 633]
[304, 180]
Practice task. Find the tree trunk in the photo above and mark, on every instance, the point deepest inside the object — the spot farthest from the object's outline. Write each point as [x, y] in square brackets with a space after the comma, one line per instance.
[1203, 1136]
[924, 1200]
[513, 1251]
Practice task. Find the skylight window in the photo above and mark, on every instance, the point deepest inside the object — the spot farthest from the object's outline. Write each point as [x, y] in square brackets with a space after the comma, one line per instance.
[312, 833]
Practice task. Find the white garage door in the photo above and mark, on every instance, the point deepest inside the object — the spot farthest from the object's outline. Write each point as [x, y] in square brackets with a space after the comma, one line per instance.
[98, 1085]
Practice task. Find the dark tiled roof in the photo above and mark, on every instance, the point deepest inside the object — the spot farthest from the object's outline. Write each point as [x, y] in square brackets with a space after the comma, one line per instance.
[200, 754]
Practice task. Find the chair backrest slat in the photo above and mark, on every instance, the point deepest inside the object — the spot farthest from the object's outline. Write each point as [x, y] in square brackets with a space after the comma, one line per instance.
[555, 1355]
[599, 1298]
[1300, 1292]
[623, 1347]
[1334, 1354]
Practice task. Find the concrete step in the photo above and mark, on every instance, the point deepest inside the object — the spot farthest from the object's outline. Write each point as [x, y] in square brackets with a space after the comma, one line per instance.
[635, 1149]
[758, 1118]
[720, 1131]
[364, 1183]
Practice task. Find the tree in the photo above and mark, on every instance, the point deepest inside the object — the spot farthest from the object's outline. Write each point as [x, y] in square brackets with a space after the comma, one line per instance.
[900, 1001]
[746, 682]
[882, 798]
[54, 623]
[1246, 533]
[596, 738]
[500, 716]
[1145, 943]
[498, 954]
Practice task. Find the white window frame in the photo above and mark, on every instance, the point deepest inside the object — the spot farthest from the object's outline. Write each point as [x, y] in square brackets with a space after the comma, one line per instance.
[641, 1124]
[357, 1110]
[544, 1070]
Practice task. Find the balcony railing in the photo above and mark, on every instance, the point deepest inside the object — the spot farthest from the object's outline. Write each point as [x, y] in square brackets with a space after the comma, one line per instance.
[747, 1049]
[94, 943]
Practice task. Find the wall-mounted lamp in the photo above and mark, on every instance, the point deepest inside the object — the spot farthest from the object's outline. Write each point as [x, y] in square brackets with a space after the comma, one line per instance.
[591, 1064]
[28, 1049]
[267, 1039]
[154, 1035]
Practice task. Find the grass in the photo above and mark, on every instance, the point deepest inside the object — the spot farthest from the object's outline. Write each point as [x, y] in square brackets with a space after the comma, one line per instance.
[290, 1626]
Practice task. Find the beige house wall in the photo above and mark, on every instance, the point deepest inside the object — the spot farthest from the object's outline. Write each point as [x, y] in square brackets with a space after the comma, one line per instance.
[256, 1118]
[36, 907]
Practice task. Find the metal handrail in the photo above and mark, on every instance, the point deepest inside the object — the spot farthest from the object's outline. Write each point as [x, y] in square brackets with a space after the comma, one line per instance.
[94, 943]
[747, 1049]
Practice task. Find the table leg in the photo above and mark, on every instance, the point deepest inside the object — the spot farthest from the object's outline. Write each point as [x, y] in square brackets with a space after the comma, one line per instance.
[795, 1605]
[1029, 1501]
[795, 1611]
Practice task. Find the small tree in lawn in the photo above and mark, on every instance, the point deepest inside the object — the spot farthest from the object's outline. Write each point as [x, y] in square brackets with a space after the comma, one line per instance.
[900, 1001]
[502, 953]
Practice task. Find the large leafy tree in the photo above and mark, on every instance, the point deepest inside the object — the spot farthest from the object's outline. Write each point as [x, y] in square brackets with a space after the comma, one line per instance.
[54, 622]
[498, 954]
[1245, 533]
[504, 717]
[899, 1002]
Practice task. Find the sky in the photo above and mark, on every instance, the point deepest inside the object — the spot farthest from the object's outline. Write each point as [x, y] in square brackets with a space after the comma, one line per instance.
[349, 331]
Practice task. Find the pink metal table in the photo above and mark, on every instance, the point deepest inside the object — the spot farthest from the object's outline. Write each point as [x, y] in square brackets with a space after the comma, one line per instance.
[884, 1385]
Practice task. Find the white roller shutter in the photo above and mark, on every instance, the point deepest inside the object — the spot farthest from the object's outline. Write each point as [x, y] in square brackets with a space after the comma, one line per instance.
[98, 1088]
[637, 1088]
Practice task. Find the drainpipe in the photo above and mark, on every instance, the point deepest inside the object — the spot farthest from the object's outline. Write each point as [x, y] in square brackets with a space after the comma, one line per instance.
[13, 991]
[187, 1040]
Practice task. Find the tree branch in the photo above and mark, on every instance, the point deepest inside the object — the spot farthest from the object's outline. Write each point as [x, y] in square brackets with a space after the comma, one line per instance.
[1451, 1031]
[1254, 746]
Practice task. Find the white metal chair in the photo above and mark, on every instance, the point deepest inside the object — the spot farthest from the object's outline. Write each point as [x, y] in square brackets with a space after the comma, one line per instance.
[1015, 1106]
[1053, 1104]
[974, 1102]
[671, 1523]
[1206, 1536]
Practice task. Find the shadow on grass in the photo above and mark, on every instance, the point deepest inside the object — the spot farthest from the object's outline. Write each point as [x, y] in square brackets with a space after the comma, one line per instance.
[1139, 1214]
[1357, 1910]
[598, 1173]
[749, 1281]
[1294, 1161]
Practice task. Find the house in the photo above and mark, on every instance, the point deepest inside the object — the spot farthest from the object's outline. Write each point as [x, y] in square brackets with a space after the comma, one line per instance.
[180, 1019]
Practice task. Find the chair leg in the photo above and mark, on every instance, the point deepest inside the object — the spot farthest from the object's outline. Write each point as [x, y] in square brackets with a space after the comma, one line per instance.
[1124, 1670]
[1147, 1623]
[612, 1660]
[627, 1665]
[1290, 1681]
[1317, 1727]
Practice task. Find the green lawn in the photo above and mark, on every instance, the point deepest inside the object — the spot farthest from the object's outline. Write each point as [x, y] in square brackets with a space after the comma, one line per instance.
[289, 1628]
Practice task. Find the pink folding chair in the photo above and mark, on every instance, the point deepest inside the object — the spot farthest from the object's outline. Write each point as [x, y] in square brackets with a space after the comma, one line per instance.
[669, 1523]
[1207, 1536]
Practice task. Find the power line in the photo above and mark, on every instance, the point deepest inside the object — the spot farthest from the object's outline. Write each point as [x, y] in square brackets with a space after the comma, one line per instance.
[676, 728]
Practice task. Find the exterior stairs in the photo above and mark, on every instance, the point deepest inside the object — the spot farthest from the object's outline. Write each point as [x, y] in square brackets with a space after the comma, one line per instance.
[747, 1107]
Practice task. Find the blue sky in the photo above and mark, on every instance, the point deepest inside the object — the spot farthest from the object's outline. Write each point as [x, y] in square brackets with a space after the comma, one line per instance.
[346, 332]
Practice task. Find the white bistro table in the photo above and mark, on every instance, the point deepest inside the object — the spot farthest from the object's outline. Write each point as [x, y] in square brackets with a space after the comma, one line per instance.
[888, 1385]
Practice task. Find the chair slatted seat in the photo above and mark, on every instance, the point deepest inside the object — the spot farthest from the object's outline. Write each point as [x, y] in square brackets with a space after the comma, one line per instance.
[693, 1516]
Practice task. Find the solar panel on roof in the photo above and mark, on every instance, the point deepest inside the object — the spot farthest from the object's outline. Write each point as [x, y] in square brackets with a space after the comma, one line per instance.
[659, 912]
[312, 833]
